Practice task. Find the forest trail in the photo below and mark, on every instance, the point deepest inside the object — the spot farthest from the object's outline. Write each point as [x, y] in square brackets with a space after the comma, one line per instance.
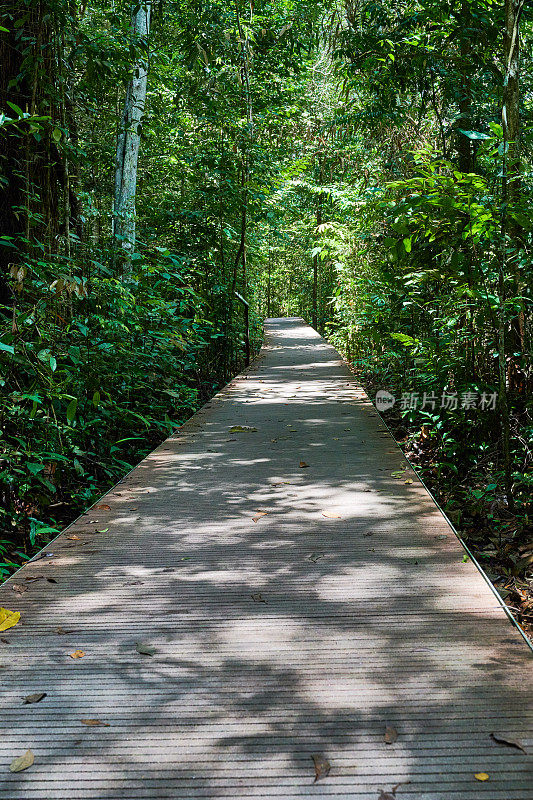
[244, 600]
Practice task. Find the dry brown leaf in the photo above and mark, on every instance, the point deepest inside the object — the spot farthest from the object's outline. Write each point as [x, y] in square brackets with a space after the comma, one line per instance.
[391, 734]
[322, 766]
[94, 723]
[331, 515]
[19, 588]
[103, 507]
[77, 654]
[259, 515]
[303, 464]
[258, 598]
[73, 537]
[509, 741]
[34, 698]
[22, 762]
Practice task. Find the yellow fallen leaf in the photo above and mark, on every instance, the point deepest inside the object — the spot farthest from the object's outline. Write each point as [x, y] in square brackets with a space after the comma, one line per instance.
[77, 654]
[303, 464]
[22, 762]
[409, 481]
[481, 776]
[73, 537]
[8, 618]
[259, 515]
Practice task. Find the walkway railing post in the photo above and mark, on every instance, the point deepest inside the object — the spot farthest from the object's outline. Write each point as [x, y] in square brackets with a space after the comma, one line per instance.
[246, 305]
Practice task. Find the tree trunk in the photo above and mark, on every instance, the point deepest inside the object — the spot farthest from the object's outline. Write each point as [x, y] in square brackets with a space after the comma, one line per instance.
[129, 136]
[511, 170]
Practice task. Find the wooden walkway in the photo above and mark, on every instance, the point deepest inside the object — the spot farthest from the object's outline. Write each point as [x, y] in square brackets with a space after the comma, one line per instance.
[289, 595]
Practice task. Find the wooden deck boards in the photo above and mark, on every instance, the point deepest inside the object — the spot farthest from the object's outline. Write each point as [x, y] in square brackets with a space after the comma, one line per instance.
[274, 639]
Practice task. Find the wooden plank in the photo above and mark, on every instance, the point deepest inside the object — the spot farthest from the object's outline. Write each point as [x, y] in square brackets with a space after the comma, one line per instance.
[276, 637]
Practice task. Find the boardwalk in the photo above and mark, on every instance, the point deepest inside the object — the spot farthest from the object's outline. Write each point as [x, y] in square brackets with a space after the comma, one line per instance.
[287, 611]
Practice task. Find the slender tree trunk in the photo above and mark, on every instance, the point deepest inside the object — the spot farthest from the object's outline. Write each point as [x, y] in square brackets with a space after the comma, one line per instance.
[512, 173]
[129, 135]
[464, 144]
[315, 259]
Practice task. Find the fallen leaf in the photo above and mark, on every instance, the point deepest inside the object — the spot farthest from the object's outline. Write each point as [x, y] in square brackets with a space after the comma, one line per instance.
[77, 654]
[322, 766]
[102, 530]
[74, 537]
[103, 507]
[94, 723]
[259, 515]
[34, 698]
[315, 557]
[409, 481]
[331, 515]
[8, 618]
[303, 464]
[391, 734]
[481, 776]
[242, 429]
[258, 598]
[392, 794]
[22, 762]
[145, 649]
[496, 737]
[62, 631]
[19, 588]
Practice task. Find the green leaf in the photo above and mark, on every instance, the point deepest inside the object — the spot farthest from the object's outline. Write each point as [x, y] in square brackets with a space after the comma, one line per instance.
[71, 410]
[475, 134]
[16, 109]
[7, 348]
[56, 135]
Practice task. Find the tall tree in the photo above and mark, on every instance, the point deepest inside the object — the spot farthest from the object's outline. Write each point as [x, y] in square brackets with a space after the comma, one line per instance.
[129, 132]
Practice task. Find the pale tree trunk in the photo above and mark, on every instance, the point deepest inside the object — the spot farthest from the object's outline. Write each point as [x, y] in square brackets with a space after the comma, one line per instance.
[129, 136]
[511, 180]
[510, 229]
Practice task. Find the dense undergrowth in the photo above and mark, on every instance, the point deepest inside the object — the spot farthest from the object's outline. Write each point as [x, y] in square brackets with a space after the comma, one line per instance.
[94, 380]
